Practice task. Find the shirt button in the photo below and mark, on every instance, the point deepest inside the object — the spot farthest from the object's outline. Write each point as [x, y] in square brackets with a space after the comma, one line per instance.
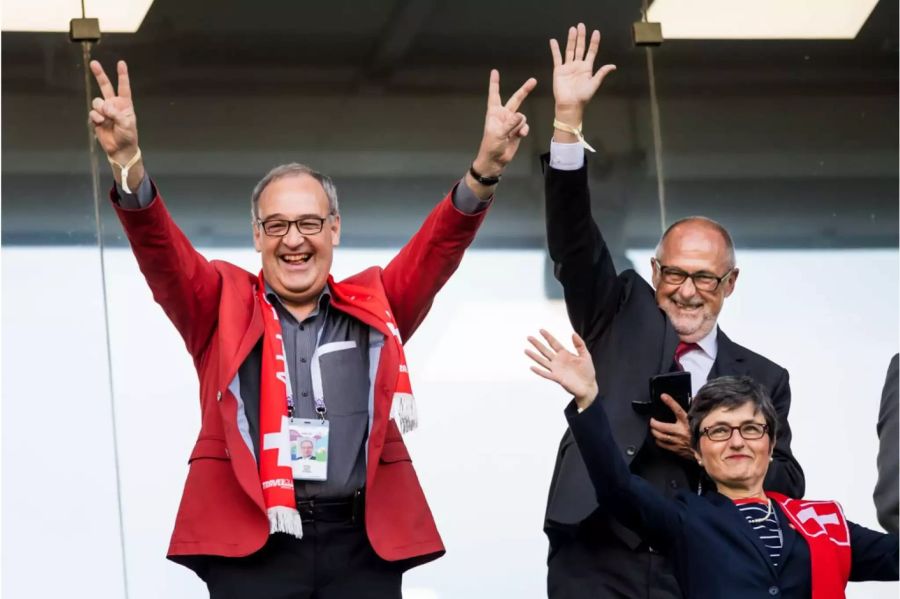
[629, 450]
[301, 327]
[773, 591]
[303, 360]
[673, 484]
[305, 394]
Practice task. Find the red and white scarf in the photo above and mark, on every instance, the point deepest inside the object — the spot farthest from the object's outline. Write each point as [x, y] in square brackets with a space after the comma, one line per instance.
[275, 470]
[823, 525]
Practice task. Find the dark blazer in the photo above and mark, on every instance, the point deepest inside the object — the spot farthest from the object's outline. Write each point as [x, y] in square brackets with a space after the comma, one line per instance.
[631, 340]
[887, 490]
[714, 550]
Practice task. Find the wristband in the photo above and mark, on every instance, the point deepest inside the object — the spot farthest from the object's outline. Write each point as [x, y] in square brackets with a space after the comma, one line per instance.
[125, 167]
[486, 181]
[576, 131]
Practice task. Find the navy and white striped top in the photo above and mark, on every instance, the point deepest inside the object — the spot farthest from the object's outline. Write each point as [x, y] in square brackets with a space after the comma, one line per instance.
[768, 530]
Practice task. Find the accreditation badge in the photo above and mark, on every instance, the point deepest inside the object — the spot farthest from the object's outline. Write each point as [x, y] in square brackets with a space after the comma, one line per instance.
[309, 448]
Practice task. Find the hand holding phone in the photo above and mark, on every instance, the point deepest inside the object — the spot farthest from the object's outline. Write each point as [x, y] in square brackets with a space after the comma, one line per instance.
[677, 385]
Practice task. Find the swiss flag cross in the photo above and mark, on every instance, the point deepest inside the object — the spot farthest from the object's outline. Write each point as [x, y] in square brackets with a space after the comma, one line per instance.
[818, 518]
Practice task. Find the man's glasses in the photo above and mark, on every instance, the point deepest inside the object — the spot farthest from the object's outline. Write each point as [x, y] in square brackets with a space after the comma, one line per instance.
[750, 431]
[704, 281]
[276, 227]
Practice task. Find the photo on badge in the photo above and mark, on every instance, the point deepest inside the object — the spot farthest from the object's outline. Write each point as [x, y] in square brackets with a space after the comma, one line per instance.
[309, 449]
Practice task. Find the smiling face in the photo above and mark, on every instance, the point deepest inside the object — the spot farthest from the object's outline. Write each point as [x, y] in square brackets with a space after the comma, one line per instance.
[693, 246]
[737, 465]
[306, 448]
[296, 266]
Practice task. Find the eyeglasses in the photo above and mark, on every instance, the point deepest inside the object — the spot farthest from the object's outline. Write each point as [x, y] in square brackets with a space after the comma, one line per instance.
[704, 281]
[276, 227]
[750, 431]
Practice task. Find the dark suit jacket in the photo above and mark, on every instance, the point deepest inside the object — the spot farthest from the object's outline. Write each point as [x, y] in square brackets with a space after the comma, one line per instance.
[631, 340]
[887, 494]
[714, 550]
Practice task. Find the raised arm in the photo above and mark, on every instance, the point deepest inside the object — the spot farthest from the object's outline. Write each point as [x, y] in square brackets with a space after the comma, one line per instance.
[581, 259]
[182, 281]
[631, 499]
[421, 268]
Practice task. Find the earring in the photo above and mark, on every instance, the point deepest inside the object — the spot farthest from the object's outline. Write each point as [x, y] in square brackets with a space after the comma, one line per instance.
[771, 459]
[699, 462]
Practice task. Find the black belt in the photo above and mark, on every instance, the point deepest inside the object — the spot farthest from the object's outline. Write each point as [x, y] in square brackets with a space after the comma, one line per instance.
[337, 509]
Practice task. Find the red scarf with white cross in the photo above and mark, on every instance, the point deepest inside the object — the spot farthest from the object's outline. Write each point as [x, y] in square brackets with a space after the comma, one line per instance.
[824, 528]
[275, 470]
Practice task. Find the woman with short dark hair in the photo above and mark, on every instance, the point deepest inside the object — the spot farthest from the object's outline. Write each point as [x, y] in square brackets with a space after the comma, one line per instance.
[734, 540]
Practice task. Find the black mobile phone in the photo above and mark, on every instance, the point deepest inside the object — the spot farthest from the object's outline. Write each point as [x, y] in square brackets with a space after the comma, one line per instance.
[676, 384]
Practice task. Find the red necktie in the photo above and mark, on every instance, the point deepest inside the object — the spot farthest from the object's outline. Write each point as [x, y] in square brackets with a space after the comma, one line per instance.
[682, 349]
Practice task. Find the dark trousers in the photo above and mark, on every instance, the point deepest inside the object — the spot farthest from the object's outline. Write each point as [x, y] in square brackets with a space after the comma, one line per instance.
[591, 562]
[334, 560]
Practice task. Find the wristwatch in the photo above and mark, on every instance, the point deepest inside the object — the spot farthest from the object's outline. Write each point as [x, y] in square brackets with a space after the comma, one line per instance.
[486, 181]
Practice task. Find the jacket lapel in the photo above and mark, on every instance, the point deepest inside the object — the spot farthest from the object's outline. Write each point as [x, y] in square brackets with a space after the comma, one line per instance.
[251, 336]
[670, 342]
[741, 524]
[729, 360]
[243, 461]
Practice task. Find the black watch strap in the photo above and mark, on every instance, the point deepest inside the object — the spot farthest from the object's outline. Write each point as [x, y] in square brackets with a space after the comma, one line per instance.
[486, 181]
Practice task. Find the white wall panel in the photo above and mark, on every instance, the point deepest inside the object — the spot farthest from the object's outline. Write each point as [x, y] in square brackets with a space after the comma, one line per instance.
[489, 428]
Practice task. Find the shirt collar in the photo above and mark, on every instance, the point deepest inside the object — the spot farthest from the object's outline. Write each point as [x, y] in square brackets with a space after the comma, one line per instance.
[323, 300]
[710, 343]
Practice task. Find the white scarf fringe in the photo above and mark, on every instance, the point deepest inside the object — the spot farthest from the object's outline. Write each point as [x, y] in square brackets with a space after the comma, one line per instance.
[286, 520]
[404, 413]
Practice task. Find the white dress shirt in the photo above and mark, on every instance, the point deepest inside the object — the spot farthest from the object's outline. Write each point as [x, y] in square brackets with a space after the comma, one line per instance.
[699, 361]
[566, 157]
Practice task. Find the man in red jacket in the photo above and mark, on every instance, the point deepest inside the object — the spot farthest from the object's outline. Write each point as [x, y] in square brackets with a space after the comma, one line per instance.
[290, 356]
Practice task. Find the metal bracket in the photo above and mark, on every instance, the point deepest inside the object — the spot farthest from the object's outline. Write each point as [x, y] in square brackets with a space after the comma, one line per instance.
[84, 30]
[647, 34]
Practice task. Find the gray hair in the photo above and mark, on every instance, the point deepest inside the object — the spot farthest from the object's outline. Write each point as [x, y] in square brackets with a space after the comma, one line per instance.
[729, 244]
[294, 169]
[730, 392]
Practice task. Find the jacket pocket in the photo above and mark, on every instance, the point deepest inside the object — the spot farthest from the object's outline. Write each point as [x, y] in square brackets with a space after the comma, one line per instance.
[210, 448]
[394, 451]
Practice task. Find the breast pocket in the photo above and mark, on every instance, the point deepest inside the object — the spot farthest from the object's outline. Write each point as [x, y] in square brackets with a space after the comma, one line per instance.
[344, 371]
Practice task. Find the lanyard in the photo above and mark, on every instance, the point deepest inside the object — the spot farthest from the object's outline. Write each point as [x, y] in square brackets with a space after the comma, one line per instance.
[315, 375]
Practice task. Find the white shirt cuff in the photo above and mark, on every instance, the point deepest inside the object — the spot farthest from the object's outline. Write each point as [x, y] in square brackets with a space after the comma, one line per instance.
[566, 157]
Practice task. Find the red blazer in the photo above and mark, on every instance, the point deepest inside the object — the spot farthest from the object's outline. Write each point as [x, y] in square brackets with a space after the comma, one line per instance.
[214, 308]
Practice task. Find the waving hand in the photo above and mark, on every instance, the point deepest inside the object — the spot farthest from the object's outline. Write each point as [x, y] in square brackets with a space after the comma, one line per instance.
[573, 372]
[574, 80]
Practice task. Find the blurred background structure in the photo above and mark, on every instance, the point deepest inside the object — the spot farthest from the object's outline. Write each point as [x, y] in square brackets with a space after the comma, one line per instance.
[791, 143]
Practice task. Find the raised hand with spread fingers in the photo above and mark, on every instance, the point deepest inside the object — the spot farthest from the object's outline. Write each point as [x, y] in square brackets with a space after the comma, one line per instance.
[573, 372]
[574, 79]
